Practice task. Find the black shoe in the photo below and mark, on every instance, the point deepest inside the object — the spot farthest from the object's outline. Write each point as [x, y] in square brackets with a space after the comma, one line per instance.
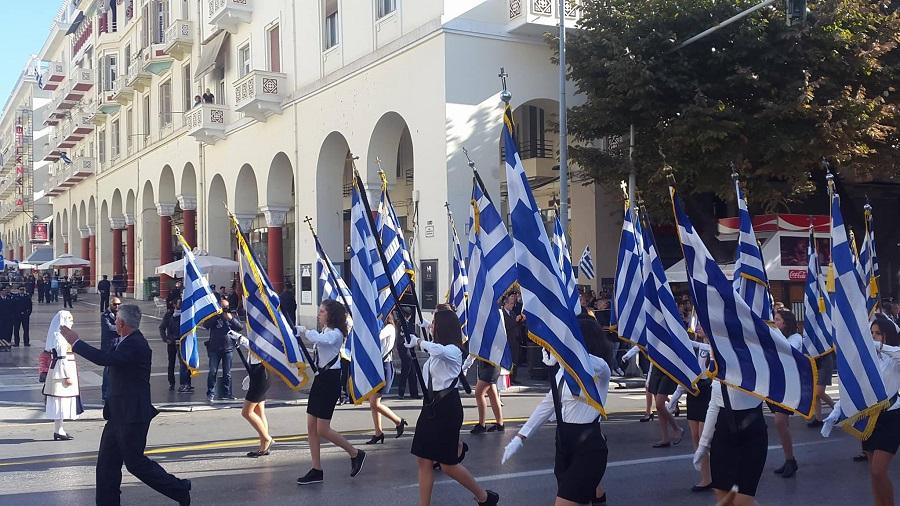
[462, 456]
[172, 387]
[436, 466]
[416, 396]
[790, 468]
[815, 424]
[376, 439]
[15, 345]
[401, 396]
[229, 398]
[701, 488]
[357, 462]
[313, 476]
[599, 501]
[400, 427]
[493, 498]
[496, 428]
[62, 437]
[28, 345]
[862, 457]
[780, 470]
[478, 429]
[647, 418]
[258, 453]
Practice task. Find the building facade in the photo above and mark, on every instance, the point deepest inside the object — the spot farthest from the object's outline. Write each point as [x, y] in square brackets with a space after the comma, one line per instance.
[172, 113]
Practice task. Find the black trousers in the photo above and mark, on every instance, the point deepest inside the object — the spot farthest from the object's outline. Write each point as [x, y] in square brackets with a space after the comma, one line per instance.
[104, 301]
[23, 322]
[172, 350]
[407, 375]
[125, 444]
[67, 299]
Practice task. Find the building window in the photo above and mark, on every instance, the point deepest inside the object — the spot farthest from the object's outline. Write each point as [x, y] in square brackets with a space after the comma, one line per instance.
[243, 62]
[146, 114]
[187, 100]
[101, 146]
[386, 7]
[114, 141]
[127, 63]
[110, 72]
[162, 20]
[273, 37]
[129, 130]
[330, 27]
[146, 25]
[165, 104]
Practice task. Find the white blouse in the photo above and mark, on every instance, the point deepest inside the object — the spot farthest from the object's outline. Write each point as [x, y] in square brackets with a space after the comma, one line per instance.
[388, 337]
[889, 366]
[443, 365]
[326, 346]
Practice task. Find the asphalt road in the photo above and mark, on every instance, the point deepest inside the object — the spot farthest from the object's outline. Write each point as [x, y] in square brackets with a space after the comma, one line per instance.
[207, 445]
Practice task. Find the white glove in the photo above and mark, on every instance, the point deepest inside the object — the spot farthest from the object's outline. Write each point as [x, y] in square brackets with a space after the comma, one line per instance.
[701, 452]
[245, 385]
[468, 363]
[515, 445]
[827, 427]
[235, 335]
[424, 323]
[412, 343]
[301, 330]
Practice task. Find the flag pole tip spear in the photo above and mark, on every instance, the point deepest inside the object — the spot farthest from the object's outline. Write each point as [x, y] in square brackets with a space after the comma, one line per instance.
[469, 161]
[505, 95]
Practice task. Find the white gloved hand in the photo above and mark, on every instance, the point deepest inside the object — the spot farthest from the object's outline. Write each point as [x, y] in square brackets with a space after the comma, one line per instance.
[301, 330]
[412, 343]
[515, 445]
[245, 385]
[702, 451]
[827, 427]
[424, 324]
[235, 335]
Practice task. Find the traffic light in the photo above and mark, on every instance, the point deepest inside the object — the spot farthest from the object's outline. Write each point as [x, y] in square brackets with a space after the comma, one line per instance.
[796, 12]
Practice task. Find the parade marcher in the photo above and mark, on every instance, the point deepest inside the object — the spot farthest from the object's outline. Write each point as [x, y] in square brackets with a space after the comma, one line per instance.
[786, 322]
[63, 396]
[388, 338]
[169, 332]
[127, 413]
[289, 304]
[407, 375]
[66, 287]
[22, 317]
[219, 348]
[7, 314]
[581, 451]
[109, 336]
[326, 389]
[698, 405]
[659, 387]
[436, 438]
[256, 383]
[175, 293]
[39, 286]
[486, 385]
[825, 366]
[514, 321]
[884, 441]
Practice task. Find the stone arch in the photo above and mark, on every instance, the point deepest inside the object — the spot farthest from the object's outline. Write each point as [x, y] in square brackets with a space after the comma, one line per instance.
[149, 236]
[333, 181]
[188, 180]
[391, 143]
[104, 242]
[166, 187]
[279, 212]
[246, 195]
[218, 226]
[115, 209]
[280, 182]
[92, 212]
[383, 144]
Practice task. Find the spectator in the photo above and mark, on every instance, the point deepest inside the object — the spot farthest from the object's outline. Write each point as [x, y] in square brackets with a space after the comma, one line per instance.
[219, 347]
[103, 288]
[208, 97]
[289, 304]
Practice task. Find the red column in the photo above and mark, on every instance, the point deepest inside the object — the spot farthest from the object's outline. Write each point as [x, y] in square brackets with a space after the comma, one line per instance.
[275, 217]
[117, 227]
[85, 252]
[129, 253]
[21, 253]
[165, 244]
[188, 205]
[92, 256]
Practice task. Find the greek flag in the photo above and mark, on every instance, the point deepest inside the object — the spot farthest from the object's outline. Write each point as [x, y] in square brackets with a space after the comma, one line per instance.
[545, 300]
[268, 331]
[749, 354]
[561, 252]
[817, 326]
[665, 341]
[862, 389]
[331, 286]
[492, 271]
[628, 298]
[868, 263]
[2, 263]
[458, 295]
[366, 368]
[750, 278]
[586, 264]
[398, 260]
[198, 304]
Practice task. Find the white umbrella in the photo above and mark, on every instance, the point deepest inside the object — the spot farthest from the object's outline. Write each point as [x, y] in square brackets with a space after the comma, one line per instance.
[64, 261]
[26, 266]
[207, 264]
[10, 264]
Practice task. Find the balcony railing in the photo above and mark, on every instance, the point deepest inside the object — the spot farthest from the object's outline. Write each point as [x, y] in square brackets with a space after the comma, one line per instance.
[156, 59]
[137, 77]
[229, 14]
[53, 76]
[260, 93]
[106, 102]
[206, 122]
[80, 81]
[538, 16]
[179, 39]
[122, 93]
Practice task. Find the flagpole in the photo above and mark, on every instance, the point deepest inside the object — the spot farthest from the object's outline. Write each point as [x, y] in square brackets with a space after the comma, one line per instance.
[331, 273]
[404, 323]
[870, 229]
[456, 241]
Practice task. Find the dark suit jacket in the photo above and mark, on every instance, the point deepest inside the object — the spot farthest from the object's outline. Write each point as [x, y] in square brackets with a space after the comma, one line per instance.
[128, 399]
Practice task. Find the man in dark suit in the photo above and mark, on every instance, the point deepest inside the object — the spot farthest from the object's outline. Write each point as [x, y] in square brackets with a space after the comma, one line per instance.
[23, 308]
[108, 338]
[127, 412]
[103, 288]
[515, 334]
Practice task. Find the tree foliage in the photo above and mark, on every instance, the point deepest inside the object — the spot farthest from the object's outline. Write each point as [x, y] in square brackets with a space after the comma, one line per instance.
[770, 98]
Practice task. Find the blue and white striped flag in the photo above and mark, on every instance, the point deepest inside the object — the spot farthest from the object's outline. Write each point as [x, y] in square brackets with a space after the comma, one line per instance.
[198, 304]
[366, 366]
[868, 264]
[551, 322]
[628, 315]
[818, 329]
[492, 271]
[458, 295]
[862, 390]
[665, 341]
[586, 264]
[564, 260]
[398, 260]
[331, 286]
[750, 279]
[270, 335]
[749, 354]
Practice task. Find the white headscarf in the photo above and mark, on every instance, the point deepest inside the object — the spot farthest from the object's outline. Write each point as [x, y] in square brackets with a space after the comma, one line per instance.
[59, 319]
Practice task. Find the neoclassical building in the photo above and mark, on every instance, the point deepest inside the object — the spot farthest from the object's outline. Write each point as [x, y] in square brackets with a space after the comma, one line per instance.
[292, 95]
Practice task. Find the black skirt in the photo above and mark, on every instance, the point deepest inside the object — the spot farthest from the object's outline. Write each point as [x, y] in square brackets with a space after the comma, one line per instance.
[487, 372]
[825, 365]
[259, 383]
[659, 383]
[323, 395]
[886, 436]
[580, 463]
[738, 450]
[698, 404]
[778, 409]
[437, 430]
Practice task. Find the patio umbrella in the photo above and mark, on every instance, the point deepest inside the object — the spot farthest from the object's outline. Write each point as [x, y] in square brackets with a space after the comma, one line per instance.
[207, 264]
[64, 261]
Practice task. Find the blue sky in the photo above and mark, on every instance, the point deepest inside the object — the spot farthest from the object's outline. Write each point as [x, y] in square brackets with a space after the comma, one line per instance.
[26, 25]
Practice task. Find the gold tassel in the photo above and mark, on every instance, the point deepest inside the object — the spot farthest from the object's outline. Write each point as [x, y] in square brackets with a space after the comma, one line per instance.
[829, 279]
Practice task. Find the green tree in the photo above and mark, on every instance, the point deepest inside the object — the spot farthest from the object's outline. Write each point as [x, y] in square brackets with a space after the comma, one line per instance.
[770, 98]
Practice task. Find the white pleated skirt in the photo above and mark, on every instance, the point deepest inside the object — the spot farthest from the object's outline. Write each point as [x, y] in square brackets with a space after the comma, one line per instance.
[61, 408]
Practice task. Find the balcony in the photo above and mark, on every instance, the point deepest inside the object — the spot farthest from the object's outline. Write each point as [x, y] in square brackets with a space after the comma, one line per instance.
[536, 17]
[138, 78]
[53, 145]
[260, 94]
[59, 107]
[80, 82]
[229, 14]
[156, 59]
[106, 103]
[53, 76]
[179, 39]
[8, 210]
[7, 184]
[206, 123]
[79, 127]
[122, 93]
